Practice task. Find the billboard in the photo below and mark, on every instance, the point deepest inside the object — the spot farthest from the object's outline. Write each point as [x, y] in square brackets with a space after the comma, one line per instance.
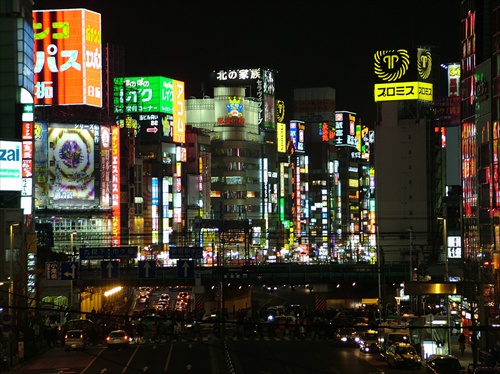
[297, 129]
[68, 57]
[71, 170]
[41, 165]
[115, 185]
[179, 133]
[281, 137]
[143, 95]
[230, 112]
[156, 104]
[105, 166]
[10, 166]
[345, 129]
[403, 74]
[260, 84]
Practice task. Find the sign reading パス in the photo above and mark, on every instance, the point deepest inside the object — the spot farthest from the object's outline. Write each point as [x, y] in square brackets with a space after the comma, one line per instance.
[10, 166]
[403, 74]
[68, 57]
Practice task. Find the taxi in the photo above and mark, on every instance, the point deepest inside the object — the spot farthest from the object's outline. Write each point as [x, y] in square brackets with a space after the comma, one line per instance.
[403, 355]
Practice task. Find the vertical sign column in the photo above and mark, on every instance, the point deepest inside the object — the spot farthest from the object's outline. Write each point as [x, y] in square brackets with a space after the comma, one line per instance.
[27, 167]
[115, 183]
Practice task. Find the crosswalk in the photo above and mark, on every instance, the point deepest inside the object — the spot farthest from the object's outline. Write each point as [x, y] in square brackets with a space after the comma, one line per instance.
[212, 337]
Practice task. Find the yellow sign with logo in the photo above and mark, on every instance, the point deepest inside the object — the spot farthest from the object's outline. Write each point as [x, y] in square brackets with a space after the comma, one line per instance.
[403, 91]
[403, 74]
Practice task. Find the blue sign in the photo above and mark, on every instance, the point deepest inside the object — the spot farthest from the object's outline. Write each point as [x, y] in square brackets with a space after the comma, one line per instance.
[69, 270]
[96, 253]
[186, 252]
[147, 269]
[185, 268]
[52, 270]
[109, 269]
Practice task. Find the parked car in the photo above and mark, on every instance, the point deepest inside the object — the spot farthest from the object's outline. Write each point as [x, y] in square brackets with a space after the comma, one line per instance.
[74, 340]
[118, 338]
[403, 355]
[444, 364]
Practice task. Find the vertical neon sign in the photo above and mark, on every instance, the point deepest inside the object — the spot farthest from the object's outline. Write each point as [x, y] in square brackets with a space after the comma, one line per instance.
[298, 210]
[115, 184]
[155, 194]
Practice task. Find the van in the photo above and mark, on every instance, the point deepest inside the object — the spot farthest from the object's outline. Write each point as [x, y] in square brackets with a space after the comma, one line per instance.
[74, 340]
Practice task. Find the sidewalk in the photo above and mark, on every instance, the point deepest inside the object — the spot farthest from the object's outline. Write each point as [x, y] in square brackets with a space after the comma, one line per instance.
[466, 358]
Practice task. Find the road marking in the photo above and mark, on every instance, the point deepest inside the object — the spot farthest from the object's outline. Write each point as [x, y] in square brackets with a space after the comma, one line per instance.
[169, 356]
[130, 360]
[92, 362]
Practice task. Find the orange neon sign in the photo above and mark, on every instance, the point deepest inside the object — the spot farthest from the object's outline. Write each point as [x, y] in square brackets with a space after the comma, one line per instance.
[68, 57]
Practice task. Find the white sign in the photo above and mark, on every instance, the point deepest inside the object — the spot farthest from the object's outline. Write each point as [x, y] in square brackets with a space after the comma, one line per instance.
[10, 166]
[454, 247]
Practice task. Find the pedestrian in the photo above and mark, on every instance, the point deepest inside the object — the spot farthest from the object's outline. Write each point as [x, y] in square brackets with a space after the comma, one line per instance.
[461, 343]
[197, 331]
[474, 347]
[140, 332]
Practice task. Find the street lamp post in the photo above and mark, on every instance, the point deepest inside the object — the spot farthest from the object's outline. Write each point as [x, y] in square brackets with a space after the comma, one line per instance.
[379, 270]
[11, 267]
[411, 265]
[72, 248]
[447, 279]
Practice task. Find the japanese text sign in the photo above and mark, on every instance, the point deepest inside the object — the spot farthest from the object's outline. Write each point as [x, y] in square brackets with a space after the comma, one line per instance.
[68, 57]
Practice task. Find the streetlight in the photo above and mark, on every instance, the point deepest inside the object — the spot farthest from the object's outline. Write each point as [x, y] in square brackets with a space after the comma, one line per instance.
[411, 265]
[11, 267]
[379, 270]
[72, 249]
[447, 279]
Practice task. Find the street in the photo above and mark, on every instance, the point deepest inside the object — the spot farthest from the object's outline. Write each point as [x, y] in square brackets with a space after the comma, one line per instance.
[244, 356]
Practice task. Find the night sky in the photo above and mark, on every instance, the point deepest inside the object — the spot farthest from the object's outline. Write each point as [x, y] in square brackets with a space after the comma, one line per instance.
[309, 44]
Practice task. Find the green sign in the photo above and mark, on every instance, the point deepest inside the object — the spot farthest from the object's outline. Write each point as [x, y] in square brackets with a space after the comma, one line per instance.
[143, 95]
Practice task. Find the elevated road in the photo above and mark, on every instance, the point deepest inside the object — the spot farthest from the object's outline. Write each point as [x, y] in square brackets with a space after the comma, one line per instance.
[280, 273]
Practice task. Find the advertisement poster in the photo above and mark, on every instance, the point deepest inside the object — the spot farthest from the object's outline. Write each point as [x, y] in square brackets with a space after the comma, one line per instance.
[71, 165]
[41, 178]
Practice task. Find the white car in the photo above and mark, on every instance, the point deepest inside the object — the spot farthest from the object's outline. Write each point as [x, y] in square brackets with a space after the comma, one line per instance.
[118, 338]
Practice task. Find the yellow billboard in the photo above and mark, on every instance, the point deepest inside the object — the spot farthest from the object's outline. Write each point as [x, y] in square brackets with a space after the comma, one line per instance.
[403, 91]
[403, 74]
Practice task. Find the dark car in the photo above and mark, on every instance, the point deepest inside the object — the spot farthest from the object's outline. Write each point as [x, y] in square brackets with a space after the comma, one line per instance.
[346, 337]
[444, 364]
[368, 342]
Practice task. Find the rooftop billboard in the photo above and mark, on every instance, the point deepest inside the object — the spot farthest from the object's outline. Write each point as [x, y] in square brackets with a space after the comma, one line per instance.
[68, 57]
[403, 74]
